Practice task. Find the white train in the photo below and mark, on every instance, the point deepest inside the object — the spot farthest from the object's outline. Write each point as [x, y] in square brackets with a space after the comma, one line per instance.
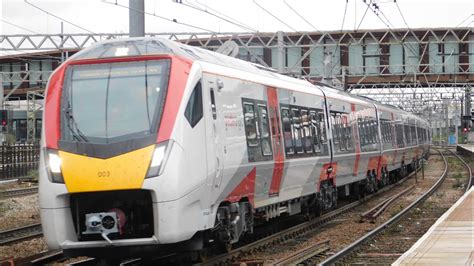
[152, 144]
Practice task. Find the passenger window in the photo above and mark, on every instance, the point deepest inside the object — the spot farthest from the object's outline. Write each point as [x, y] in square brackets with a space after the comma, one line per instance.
[308, 147]
[193, 112]
[407, 135]
[265, 128]
[315, 132]
[362, 136]
[335, 131]
[340, 133]
[347, 132]
[296, 129]
[250, 125]
[375, 127]
[322, 128]
[400, 142]
[285, 120]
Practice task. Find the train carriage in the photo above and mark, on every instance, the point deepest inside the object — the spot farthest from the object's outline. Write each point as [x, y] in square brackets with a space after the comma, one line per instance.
[152, 144]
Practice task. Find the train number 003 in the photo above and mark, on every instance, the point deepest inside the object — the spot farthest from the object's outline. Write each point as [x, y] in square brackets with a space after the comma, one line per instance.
[103, 173]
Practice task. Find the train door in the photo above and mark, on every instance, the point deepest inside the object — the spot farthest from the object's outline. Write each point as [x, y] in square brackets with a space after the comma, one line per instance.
[215, 152]
[278, 156]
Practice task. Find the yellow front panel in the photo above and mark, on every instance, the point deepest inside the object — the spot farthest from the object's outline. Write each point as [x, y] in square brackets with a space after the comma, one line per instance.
[125, 171]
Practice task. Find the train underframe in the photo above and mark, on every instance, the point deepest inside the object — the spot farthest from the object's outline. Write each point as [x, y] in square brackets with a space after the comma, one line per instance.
[236, 219]
[233, 219]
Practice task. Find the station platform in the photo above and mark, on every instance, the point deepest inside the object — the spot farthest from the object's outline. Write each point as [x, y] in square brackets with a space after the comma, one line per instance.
[450, 241]
[466, 149]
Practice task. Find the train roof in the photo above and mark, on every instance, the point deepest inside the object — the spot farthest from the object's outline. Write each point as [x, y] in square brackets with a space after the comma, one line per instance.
[141, 46]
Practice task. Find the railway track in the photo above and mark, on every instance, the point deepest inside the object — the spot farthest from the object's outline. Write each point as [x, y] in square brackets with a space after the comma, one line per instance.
[233, 256]
[468, 168]
[18, 192]
[341, 255]
[20, 234]
[292, 232]
[302, 256]
[376, 211]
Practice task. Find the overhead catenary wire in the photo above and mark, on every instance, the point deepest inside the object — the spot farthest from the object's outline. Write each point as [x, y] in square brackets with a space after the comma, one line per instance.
[365, 13]
[301, 16]
[339, 42]
[224, 15]
[62, 19]
[464, 20]
[376, 10]
[409, 46]
[344, 17]
[238, 24]
[17, 26]
[275, 17]
[401, 14]
[160, 17]
[355, 15]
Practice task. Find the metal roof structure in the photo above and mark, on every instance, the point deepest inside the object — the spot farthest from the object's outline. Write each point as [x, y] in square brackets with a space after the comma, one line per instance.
[414, 68]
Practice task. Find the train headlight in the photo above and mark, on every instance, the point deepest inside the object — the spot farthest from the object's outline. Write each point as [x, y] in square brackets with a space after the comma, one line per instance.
[53, 162]
[160, 156]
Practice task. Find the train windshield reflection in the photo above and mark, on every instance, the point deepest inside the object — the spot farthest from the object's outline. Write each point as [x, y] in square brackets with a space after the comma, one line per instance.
[106, 103]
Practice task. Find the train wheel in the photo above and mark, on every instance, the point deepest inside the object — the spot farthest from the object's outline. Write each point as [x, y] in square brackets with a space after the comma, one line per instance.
[328, 196]
[203, 255]
[375, 181]
[385, 180]
[227, 247]
[357, 192]
[369, 184]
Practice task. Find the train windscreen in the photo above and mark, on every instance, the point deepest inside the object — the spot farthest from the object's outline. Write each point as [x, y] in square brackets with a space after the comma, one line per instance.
[104, 103]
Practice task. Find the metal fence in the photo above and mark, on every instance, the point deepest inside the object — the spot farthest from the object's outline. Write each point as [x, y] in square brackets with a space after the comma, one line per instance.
[17, 160]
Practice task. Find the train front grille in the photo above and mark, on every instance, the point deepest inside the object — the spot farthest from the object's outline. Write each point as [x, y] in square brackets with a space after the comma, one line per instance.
[130, 210]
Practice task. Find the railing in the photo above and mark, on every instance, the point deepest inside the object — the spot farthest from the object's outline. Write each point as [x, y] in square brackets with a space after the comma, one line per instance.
[18, 160]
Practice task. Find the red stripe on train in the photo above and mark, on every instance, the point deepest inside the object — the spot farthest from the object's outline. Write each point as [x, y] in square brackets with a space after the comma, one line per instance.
[52, 107]
[328, 172]
[278, 156]
[246, 188]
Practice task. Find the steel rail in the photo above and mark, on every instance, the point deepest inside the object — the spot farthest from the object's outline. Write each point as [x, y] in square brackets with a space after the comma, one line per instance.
[18, 192]
[295, 230]
[470, 181]
[347, 250]
[300, 256]
[375, 212]
[26, 232]
[48, 257]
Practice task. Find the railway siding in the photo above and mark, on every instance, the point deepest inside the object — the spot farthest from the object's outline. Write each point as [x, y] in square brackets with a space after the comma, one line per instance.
[395, 239]
[346, 228]
[285, 246]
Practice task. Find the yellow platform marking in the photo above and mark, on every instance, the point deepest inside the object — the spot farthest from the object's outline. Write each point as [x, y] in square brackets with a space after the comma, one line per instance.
[86, 174]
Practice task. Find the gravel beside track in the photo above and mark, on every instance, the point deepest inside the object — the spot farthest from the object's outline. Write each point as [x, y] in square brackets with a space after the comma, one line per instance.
[385, 247]
[346, 228]
[21, 211]
[20, 233]
[282, 244]
[10, 193]
[22, 249]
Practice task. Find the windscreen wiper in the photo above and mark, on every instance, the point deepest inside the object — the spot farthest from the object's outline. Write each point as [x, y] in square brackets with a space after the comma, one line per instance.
[72, 126]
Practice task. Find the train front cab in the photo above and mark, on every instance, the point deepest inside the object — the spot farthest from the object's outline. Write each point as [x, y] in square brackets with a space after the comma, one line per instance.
[152, 192]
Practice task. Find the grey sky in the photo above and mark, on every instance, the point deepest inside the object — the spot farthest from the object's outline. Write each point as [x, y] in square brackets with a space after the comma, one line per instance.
[98, 16]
